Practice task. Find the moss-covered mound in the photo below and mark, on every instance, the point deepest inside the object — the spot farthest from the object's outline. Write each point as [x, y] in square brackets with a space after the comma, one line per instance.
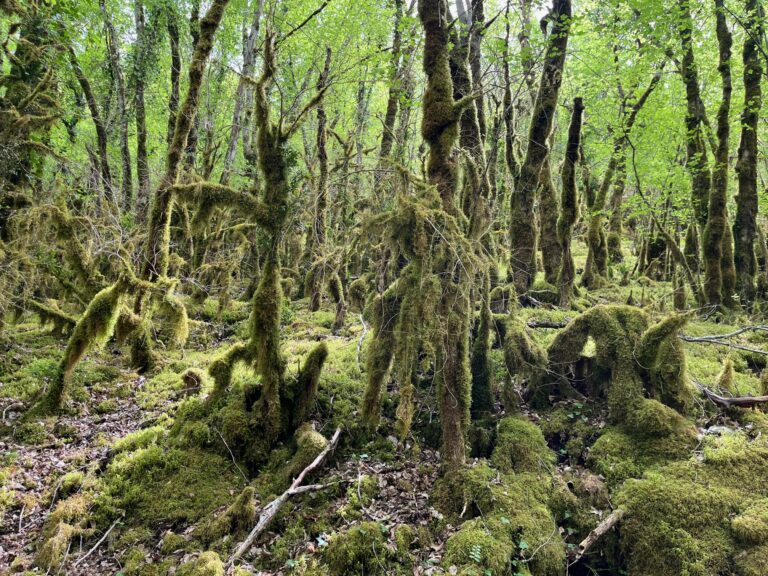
[700, 517]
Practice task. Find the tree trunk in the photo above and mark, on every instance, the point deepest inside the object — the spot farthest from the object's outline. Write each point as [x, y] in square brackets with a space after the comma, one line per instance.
[714, 231]
[101, 132]
[697, 163]
[122, 111]
[522, 220]
[249, 57]
[173, 99]
[569, 205]
[744, 228]
[142, 161]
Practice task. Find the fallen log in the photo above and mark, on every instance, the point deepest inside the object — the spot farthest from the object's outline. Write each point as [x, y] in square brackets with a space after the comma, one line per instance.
[270, 510]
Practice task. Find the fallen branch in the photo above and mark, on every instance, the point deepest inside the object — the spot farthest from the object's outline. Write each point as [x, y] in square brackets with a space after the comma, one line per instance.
[738, 401]
[547, 324]
[270, 510]
[600, 530]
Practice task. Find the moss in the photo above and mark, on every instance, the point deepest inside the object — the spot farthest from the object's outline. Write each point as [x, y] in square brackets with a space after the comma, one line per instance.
[155, 485]
[699, 516]
[360, 550]
[618, 455]
[207, 564]
[237, 519]
[511, 508]
[93, 328]
[725, 378]
[138, 439]
[359, 495]
[143, 355]
[751, 526]
[482, 386]
[31, 433]
[70, 483]
[172, 542]
[520, 447]
[475, 545]
[67, 520]
[106, 406]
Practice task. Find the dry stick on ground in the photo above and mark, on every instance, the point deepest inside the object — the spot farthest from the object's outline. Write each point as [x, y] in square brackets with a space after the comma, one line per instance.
[270, 510]
[104, 537]
[599, 530]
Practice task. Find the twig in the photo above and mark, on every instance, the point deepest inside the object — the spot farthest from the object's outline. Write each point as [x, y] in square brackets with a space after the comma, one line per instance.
[245, 478]
[92, 550]
[270, 510]
[304, 23]
[21, 516]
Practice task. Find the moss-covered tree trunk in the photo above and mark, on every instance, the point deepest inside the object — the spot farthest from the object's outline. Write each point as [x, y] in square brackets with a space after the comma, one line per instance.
[126, 184]
[143, 48]
[717, 221]
[616, 220]
[156, 256]
[173, 42]
[744, 228]
[549, 210]
[440, 131]
[98, 123]
[696, 149]
[314, 279]
[596, 266]
[523, 229]
[569, 205]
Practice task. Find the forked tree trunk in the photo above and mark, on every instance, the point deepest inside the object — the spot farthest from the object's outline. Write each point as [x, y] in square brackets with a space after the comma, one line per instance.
[523, 230]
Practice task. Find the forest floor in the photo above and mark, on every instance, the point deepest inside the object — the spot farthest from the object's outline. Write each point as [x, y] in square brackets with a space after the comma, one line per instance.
[113, 465]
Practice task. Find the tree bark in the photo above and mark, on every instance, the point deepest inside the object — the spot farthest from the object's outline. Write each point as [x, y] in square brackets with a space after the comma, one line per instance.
[142, 161]
[714, 231]
[569, 205]
[744, 228]
[126, 185]
[249, 57]
[98, 122]
[522, 222]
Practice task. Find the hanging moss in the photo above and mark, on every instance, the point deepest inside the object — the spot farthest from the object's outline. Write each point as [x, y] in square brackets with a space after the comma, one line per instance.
[143, 355]
[95, 326]
[307, 384]
[384, 310]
